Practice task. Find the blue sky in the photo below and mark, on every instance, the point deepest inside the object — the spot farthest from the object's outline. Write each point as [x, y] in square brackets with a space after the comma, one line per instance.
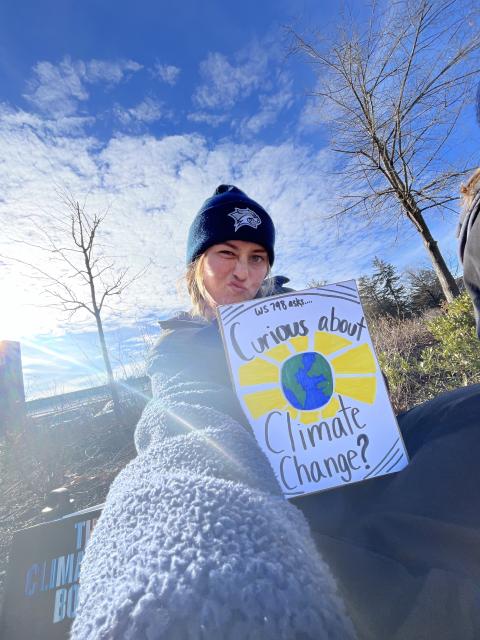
[144, 108]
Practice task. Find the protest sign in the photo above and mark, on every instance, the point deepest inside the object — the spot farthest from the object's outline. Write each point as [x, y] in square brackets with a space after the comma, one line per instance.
[305, 372]
[43, 578]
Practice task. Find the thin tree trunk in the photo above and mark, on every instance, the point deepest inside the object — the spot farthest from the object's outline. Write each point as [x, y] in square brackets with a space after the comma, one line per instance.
[96, 312]
[446, 279]
[395, 298]
[108, 367]
[414, 214]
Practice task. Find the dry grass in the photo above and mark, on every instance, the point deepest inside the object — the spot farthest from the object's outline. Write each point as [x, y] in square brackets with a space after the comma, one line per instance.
[399, 344]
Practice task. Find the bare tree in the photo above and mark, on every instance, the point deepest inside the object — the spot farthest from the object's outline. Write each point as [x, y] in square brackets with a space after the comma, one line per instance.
[392, 96]
[425, 289]
[83, 277]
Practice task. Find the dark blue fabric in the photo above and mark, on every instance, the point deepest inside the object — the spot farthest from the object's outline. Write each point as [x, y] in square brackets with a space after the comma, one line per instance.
[405, 547]
[213, 224]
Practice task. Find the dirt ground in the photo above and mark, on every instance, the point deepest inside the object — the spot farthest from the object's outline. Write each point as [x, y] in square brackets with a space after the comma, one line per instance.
[82, 450]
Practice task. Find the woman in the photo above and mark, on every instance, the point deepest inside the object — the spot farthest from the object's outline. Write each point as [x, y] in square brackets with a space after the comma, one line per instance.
[196, 540]
[230, 251]
[403, 548]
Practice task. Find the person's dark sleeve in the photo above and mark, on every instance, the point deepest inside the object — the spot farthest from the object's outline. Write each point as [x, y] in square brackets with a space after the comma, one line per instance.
[469, 252]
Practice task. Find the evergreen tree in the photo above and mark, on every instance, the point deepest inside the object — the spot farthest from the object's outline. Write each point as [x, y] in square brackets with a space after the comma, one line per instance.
[391, 293]
[383, 294]
[369, 295]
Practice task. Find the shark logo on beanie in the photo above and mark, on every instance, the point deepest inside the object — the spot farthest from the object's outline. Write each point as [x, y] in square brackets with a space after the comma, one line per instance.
[245, 217]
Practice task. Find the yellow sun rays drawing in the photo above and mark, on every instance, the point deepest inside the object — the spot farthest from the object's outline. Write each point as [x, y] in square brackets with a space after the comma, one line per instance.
[335, 367]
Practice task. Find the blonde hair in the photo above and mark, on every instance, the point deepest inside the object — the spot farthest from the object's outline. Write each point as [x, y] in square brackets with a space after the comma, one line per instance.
[196, 289]
[470, 189]
[199, 295]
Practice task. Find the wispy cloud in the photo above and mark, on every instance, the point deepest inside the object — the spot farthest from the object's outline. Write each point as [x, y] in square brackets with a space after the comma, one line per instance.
[225, 81]
[316, 112]
[270, 107]
[111, 72]
[166, 72]
[57, 89]
[255, 78]
[212, 119]
[15, 118]
[147, 111]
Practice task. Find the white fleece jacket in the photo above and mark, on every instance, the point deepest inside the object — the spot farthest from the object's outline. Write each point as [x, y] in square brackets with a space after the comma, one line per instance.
[197, 542]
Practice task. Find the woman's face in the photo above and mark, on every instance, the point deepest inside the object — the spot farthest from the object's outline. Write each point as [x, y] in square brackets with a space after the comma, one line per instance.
[233, 271]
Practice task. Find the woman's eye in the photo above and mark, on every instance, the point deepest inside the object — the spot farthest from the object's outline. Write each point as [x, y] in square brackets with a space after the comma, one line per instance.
[258, 259]
[225, 252]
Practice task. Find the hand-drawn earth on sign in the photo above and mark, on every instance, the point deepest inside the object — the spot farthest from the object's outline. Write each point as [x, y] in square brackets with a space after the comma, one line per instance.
[306, 375]
[307, 380]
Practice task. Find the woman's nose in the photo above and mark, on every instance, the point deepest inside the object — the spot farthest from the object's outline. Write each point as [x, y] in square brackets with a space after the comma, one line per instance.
[241, 269]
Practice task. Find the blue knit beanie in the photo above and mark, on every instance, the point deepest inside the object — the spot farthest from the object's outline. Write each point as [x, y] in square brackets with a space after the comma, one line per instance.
[230, 215]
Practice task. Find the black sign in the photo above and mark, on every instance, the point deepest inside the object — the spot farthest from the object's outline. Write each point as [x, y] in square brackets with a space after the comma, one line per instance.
[42, 581]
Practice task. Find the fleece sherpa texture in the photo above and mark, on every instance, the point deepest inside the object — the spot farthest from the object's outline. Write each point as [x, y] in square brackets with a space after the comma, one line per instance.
[197, 542]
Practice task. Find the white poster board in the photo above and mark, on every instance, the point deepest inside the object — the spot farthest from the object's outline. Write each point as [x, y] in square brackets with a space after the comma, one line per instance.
[305, 372]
